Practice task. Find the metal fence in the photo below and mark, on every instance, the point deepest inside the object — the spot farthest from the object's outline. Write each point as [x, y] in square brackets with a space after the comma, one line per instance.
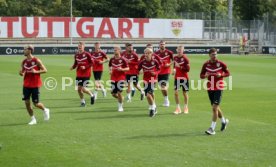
[216, 27]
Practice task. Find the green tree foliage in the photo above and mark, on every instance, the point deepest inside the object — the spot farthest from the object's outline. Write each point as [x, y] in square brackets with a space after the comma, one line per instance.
[243, 9]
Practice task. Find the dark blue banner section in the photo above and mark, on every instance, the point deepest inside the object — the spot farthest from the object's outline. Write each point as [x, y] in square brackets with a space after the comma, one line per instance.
[109, 50]
[269, 50]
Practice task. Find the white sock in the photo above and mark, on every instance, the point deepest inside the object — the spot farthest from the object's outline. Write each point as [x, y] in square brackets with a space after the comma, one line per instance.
[178, 105]
[132, 88]
[95, 92]
[151, 107]
[185, 105]
[222, 120]
[129, 95]
[33, 117]
[82, 101]
[213, 125]
[102, 88]
[120, 105]
[45, 109]
[166, 98]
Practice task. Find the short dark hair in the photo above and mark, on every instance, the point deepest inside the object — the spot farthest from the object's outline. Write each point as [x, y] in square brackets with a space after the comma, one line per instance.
[162, 42]
[128, 44]
[212, 50]
[149, 44]
[96, 43]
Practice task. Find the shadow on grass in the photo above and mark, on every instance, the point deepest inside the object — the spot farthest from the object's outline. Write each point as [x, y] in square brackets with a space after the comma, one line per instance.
[185, 134]
[14, 124]
[120, 115]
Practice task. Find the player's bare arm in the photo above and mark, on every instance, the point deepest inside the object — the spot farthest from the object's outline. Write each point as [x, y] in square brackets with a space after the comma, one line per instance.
[41, 66]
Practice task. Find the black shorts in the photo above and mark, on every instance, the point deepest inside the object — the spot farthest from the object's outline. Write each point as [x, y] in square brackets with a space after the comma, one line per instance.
[163, 79]
[215, 96]
[184, 83]
[84, 82]
[28, 92]
[117, 86]
[132, 78]
[97, 75]
[149, 88]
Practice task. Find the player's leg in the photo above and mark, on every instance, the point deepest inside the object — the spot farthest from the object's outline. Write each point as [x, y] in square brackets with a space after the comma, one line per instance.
[176, 97]
[149, 91]
[185, 89]
[38, 104]
[163, 79]
[114, 90]
[137, 86]
[128, 82]
[224, 121]
[211, 130]
[120, 96]
[87, 91]
[26, 97]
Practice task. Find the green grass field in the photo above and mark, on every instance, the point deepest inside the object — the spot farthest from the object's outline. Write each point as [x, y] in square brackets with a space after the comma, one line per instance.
[100, 136]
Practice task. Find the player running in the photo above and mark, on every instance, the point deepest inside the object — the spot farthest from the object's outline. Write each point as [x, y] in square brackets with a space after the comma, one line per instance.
[99, 58]
[132, 75]
[150, 68]
[31, 68]
[215, 70]
[83, 64]
[181, 79]
[166, 57]
[117, 68]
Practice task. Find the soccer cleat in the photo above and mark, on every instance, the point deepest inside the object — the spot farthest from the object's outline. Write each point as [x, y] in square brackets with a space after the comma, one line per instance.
[166, 103]
[152, 113]
[92, 99]
[46, 114]
[224, 125]
[32, 122]
[142, 96]
[186, 110]
[121, 109]
[82, 105]
[132, 92]
[177, 111]
[210, 131]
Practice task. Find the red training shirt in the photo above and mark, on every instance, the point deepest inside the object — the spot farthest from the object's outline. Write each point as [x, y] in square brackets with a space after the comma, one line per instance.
[31, 80]
[83, 59]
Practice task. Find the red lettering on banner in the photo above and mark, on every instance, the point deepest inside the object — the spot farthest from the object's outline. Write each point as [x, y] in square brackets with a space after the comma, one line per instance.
[10, 21]
[109, 31]
[90, 28]
[123, 29]
[25, 28]
[141, 23]
[51, 20]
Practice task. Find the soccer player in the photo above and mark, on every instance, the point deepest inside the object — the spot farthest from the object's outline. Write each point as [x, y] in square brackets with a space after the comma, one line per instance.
[215, 70]
[132, 75]
[83, 63]
[117, 68]
[181, 79]
[99, 58]
[154, 56]
[166, 57]
[150, 68]
[31, 68]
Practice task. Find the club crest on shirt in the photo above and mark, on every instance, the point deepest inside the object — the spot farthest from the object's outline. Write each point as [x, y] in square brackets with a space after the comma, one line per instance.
[218, 64]
[166, 53]
[33, 63]
[152, 63]
[120, 61]
[182, 59]
[99, 54]
[83, 55]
